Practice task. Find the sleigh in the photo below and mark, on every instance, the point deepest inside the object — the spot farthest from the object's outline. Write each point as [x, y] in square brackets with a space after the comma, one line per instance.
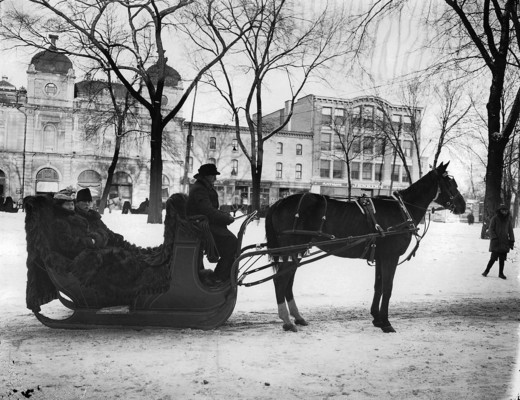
[181, 300]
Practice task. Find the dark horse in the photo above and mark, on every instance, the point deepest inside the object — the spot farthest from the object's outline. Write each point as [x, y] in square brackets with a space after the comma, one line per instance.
[388, 225]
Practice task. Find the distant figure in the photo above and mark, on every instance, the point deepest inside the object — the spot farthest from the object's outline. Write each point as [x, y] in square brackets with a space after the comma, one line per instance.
[20, 204]
[143, 208]
[471, 219]
[127, 207]
[9, 205]
[501, 238]
[203, 200]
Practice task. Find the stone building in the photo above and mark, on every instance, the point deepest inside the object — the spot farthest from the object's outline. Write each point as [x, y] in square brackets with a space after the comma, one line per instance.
[46, 144]
[356, 127]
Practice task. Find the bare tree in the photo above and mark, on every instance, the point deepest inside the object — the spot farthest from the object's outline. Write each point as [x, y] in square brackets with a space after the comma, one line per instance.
[483, 36]
[128, 37]
[449, 117]
[281, 45]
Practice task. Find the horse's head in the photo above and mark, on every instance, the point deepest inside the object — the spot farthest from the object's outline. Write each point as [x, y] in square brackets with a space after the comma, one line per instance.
[449, 196]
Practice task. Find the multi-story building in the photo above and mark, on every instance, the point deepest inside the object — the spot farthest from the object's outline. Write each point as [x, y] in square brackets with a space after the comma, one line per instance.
[45, 143]
[356, 136]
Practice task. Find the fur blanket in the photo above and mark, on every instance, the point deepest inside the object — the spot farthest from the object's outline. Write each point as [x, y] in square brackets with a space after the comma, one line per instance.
[114, 273]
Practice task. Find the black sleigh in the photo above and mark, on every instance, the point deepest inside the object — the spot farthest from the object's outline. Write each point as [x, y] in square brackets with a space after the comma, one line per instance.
[168, 292]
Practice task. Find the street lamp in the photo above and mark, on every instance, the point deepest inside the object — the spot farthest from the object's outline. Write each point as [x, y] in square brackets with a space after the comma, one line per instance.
[189, 141]
[19, 108]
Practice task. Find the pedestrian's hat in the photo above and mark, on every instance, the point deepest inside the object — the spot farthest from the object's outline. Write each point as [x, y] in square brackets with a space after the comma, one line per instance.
[205, 170]
[84, 195]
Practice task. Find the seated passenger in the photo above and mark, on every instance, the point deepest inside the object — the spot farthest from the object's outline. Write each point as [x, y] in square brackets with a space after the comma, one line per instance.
[96, 225]
[70, 231]
[203, 200]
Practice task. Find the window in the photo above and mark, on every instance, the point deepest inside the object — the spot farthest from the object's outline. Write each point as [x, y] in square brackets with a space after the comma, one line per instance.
[212, 143]
[51, 89]
[211, 160]
[234, 167]
[368, 145]
[407, 148]
[190, 164]
[235, 145]
[356, 146]
[404, 177]
[326, 116]
[298, 173]
[379, 147]
[378, 173]
[354, 170]
[92, 180]
[49, 138]
[324, 168]
[325, 141]
[368, 117]
[337, 169]
[279, 167]
[279, 148]
[367, 171]
[396, 171]
[338, 140]
[396, 123]
[356, 116]
[298, 149]
[47, 181]
[407, 123]
[339, 117]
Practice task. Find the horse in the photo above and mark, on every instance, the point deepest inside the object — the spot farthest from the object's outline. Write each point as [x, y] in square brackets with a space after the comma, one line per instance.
[386, 222]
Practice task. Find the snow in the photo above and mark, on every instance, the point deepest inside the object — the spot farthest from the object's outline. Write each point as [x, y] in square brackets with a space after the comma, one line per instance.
[457, 333]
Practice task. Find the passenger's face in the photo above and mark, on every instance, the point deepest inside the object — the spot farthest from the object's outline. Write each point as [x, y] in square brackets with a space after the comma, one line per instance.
[84, 205]
[212, 178]
[68, 205]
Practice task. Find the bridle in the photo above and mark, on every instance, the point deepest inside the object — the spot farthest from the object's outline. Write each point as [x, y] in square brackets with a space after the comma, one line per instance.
[448, 186]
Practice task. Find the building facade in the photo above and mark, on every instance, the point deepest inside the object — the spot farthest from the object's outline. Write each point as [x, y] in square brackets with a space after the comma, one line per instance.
[46, 144]
[49, 141]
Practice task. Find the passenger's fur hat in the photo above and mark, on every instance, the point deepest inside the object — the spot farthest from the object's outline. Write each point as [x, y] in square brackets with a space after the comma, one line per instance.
[84, 195]
[63, 195]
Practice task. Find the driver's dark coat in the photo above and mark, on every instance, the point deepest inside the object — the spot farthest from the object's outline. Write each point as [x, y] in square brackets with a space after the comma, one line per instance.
[203, 200]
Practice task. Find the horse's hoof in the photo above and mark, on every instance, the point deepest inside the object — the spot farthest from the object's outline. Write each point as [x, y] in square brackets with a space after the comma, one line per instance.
[289, 327]
[301, 321]
[387, 329]
[377, 323]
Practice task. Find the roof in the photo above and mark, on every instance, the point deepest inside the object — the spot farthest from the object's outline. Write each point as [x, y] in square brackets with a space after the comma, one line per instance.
[5, 85]
[172, 76]
[92, 88]
[51, 62]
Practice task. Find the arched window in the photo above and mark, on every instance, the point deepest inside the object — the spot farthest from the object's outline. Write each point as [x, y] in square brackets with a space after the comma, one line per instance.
[49, 137]
[165, 187]
[47, 181]
[211, 160]
[234, 167]
[298, 149]
[212, 143]
[279, 148]
[92, 180]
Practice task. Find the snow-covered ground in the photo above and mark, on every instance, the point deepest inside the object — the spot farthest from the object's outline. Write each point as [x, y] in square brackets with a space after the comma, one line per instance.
[457, 333]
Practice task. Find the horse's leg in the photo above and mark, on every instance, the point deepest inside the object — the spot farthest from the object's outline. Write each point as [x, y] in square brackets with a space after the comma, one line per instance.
[388, 267]
[378, 291]
[280, 285]
[293, 308]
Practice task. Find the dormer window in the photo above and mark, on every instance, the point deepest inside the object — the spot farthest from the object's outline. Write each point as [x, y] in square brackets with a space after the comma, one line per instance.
[51, 89]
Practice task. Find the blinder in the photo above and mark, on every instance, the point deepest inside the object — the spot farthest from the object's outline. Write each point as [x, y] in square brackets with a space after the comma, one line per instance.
[448, 192]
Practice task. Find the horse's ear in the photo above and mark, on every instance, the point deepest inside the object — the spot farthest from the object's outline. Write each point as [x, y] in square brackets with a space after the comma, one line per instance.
[441, 169]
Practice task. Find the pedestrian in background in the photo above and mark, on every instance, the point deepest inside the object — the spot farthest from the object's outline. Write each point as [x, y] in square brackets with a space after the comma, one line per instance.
[501, 238]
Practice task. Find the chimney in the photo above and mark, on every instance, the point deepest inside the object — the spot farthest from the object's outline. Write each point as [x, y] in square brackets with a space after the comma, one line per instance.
[53, 39]
[5, 78]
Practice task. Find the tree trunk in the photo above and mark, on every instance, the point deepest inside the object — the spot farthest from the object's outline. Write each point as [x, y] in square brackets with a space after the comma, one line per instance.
[156, 167]
[110, 176]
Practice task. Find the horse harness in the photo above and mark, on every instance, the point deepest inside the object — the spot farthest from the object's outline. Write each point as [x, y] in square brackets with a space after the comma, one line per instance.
[367, 208]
